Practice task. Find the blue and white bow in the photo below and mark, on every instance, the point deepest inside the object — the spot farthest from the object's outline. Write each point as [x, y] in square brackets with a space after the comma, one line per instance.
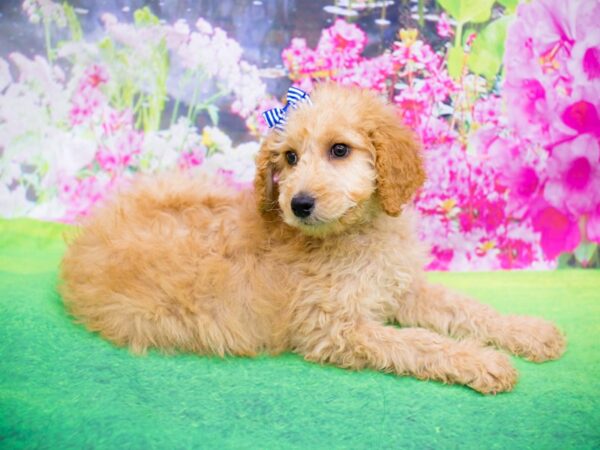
[276, 117]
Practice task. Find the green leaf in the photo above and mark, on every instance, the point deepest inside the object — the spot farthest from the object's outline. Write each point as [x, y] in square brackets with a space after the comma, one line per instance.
[488, 49]
[73, 22]
[509, 5]
[468, 10]
[144, 17]
[213, 113]
[456, 57]
[584, 252]
[563, 260]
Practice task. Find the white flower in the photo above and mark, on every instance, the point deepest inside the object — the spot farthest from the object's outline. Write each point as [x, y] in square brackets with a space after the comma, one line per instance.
[52, 209]
[5, 77]
[204, 27]
[66, 151]
[212, 137]
[239, 160]
[13, 203]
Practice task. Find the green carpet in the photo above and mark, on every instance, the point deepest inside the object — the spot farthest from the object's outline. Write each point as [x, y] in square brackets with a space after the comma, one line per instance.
[62, 387]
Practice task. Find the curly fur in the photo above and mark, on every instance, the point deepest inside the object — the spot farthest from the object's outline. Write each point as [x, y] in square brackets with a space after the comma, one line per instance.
[182, 262]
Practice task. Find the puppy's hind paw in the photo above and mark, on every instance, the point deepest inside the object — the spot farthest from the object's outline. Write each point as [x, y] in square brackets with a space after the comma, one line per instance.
[535, 339]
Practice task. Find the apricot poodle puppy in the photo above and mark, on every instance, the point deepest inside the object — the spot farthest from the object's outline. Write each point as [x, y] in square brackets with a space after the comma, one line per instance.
[321, 258]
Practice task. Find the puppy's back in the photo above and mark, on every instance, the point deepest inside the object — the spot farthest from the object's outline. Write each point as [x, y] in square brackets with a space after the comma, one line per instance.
[148, 268]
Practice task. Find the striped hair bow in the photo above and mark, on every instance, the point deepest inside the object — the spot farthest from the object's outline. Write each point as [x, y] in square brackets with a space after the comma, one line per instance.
[276, 117]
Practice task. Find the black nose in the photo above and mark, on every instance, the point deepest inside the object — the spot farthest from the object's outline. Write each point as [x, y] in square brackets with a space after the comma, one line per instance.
[302, 205]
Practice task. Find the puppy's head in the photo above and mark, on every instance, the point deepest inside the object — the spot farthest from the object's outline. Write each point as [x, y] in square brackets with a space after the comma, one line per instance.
[338, 163]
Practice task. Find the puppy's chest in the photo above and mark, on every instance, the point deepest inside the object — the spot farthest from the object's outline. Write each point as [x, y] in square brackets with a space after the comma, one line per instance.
[363, 278]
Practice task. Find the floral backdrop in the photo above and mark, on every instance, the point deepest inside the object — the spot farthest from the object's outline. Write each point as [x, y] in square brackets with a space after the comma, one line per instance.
[505, 97]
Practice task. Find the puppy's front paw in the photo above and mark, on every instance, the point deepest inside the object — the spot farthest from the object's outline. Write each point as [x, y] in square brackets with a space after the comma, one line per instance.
[492, 373]
[534, 339]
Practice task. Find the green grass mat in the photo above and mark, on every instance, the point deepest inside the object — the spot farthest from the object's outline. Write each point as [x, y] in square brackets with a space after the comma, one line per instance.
[62, 387]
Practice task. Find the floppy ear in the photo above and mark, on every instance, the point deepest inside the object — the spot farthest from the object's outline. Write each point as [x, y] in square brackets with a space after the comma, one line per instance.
[398, 162]
[264, 186]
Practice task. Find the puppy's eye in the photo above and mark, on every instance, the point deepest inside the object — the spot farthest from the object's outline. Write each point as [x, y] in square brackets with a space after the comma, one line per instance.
[291, 158]
[339, 151]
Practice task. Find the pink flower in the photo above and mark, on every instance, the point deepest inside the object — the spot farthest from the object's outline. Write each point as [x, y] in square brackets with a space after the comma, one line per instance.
[549, 22]
[444, 29]
[88, 98]
[412, 105]
[488, 110]
[528, 101]
[345, 39]
[107, 160]
[584, 64]
[114, 121]
[582, 117]
[370, 74]
[122, 154]
[94, 76]
[519, 168]
[559, 233]
[193, 158]
[593, 225]
[516, 254]
[574, 175]
[81, 194]
[519, 56]
[84, 105]
[442, 258]
[470, 38]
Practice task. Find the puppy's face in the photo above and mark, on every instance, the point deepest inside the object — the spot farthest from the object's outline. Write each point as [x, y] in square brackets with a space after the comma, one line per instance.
[326, 173]
[338, 162]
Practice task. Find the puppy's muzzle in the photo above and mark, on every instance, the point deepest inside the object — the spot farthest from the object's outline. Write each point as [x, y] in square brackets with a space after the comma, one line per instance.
[303, 205]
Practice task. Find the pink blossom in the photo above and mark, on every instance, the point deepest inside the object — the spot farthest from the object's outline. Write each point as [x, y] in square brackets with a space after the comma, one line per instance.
[115, 121]
[582, 116]
[516, 254]
[574, 175]
[488, 110]
[107, 160]
[81, 194]
[193, 158]
[371, 74]
[84, 105]
[559, 232]
[444, 29]
[94, 76]
[441, 258]
[528, 100]
[593, 225]
[470, 39]
[549, 22]
[88, 98]
[519, 168]
[584, 64]
[343, 41]
[122, 153]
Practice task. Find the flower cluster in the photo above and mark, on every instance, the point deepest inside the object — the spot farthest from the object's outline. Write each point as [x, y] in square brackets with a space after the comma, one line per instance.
[503, 190]
[210, 60]
[513, 160]
[551, 156]
[99, 120]
[338, 57]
